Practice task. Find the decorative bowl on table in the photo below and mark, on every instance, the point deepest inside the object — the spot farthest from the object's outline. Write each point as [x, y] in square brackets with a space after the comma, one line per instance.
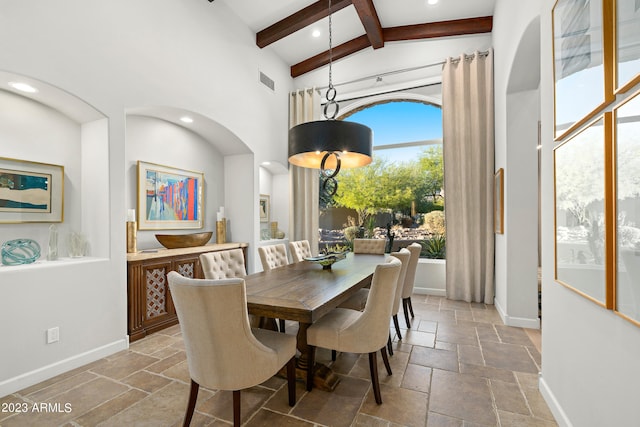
[327, 260]
[175, 241]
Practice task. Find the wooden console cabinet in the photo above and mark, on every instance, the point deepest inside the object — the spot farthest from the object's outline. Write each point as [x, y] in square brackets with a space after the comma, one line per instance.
[149, 304]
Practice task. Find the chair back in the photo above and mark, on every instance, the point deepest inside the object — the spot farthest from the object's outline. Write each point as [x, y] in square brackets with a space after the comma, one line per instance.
[404, 255]
[273, 256]
[300, 250]
[222, 352]
[410, 277]
[223, 264]
[370, 331]
[369, 246]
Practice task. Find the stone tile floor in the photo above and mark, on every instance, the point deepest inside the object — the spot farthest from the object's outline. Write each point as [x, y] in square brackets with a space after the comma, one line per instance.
[458, 366]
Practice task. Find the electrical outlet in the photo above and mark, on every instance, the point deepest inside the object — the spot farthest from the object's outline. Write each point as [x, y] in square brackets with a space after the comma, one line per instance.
[53, 335]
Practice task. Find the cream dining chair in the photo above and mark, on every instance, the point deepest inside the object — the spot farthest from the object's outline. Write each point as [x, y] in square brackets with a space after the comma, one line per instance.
[353, 331]
[369, 246]
[300, 249]
[364, 246]
[410, 278]
[230, 264]
[354, 303]
[223, 264]
[223, 351]
[274, 256]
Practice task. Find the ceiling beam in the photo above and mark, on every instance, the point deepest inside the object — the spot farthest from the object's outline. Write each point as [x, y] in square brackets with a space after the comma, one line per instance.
[456, 27]
[345, 49]
[300, 19]
[370, 22]
[408, 32]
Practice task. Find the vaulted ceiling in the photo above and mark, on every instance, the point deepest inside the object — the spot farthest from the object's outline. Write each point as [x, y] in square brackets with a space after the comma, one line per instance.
[370, 36]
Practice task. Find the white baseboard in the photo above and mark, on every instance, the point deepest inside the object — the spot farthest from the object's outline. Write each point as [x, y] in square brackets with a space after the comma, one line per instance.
[518, 322]
[554, 405]
[430, 291]
[28, 379]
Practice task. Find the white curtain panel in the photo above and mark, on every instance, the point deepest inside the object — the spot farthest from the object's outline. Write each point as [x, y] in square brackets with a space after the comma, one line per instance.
[468, 126]
[304, 106]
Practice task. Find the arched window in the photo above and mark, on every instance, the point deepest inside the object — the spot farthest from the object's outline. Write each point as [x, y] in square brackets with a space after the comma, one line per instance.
[400, 193]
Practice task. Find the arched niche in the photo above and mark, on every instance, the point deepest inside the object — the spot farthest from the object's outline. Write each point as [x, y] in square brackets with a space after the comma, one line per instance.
[156, 134]
[56, 127]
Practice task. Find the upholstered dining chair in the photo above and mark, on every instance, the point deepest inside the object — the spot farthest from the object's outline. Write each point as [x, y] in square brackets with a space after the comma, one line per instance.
[409, 280]
[223, 264]
[354, 303]
[223, 351]
[364, 246]
[354, 331]
[230, 264]
[369, 246]
[300, 249]
[274, 256]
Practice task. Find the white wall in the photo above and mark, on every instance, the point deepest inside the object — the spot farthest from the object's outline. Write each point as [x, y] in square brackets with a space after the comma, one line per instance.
[590, 369]
[516, 120]
[115, 56]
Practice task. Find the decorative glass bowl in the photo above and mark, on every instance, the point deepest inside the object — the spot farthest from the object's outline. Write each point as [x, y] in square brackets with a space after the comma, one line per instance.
[327, 260]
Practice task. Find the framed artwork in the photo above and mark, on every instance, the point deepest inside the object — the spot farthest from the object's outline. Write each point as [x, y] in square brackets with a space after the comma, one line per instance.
[578, 62]
[627, 202]
[169, 198]
[498, 202]
[264, 208]
[580, 223]
[627, 49]
[31, 191]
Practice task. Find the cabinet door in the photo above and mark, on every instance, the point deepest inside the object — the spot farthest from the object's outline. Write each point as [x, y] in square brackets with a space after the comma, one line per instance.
[156, 292]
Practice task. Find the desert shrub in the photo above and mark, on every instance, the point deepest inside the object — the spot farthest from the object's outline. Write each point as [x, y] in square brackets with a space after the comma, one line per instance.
[434, 222]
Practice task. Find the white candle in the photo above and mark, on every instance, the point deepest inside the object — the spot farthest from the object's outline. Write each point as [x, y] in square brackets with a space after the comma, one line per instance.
[219, 216]
[131, 215]
[221, 212]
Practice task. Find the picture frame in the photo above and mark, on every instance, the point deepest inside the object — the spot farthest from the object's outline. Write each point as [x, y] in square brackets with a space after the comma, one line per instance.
[627, 63]
[264, 207]
[581, 48]
[580, 213]
[498, 202]
[30, 191]
[169, 198]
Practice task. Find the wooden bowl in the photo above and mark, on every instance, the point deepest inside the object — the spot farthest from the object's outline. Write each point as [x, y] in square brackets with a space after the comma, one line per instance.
[174, 241]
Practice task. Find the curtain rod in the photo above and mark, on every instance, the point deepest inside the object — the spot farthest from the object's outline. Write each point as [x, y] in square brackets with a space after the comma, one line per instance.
[404, 70]
[355, 98]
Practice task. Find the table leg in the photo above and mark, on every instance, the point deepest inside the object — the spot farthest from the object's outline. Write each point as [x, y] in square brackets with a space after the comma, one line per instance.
[323, 378]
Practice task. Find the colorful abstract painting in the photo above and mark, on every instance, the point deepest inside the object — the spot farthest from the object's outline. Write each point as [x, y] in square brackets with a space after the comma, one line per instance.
[169, 198]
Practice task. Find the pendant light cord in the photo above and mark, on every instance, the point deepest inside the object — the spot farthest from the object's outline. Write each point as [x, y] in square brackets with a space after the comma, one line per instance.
[331, 90]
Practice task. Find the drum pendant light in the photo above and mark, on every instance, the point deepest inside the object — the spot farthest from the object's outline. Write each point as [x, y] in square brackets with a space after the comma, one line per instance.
[330, 144]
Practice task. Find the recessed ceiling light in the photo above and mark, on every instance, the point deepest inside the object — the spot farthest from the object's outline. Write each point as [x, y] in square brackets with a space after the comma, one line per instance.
[186, 119]
[23, 87]
[432, 2]
[316, 33]
[266, 163]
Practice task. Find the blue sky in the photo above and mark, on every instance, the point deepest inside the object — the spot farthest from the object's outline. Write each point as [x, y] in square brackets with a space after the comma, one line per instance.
[395, 122]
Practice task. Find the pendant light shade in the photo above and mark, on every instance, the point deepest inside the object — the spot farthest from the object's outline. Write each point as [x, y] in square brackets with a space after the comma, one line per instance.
[310, 142]
[331, 144]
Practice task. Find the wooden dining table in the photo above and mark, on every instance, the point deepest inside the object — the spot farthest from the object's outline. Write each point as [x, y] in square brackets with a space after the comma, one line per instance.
[304, 292]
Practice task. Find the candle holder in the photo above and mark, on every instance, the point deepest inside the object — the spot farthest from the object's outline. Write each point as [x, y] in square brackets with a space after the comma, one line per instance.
[221, 231]
[131, 237]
